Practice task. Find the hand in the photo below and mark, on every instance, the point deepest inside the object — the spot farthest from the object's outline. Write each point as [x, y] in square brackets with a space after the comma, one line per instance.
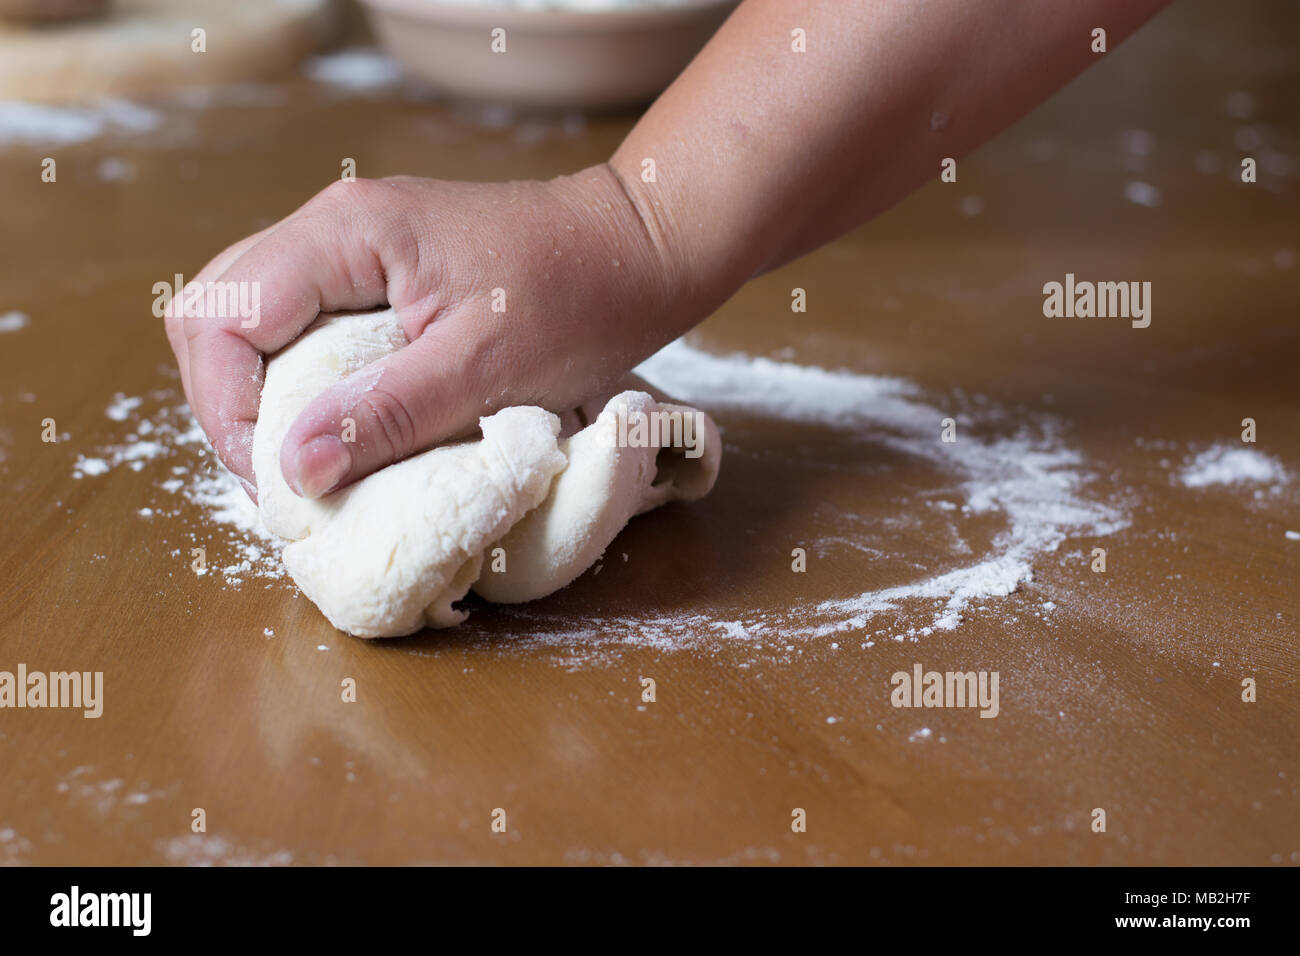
[587, 294]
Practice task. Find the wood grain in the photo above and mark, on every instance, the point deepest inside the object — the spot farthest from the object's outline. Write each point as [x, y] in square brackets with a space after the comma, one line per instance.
[1126, 697]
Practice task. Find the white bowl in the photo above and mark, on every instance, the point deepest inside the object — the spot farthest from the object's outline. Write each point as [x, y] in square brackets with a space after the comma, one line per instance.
[553, 58]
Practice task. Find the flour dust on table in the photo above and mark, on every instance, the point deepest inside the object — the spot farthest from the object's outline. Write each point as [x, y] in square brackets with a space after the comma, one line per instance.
[1026, 480]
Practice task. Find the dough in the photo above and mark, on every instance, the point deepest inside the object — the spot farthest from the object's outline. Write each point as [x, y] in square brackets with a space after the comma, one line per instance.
[603, 486]
[142, 47]
[393, 552]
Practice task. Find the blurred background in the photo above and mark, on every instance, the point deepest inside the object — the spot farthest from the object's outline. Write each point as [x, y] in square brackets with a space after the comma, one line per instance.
[562, 53]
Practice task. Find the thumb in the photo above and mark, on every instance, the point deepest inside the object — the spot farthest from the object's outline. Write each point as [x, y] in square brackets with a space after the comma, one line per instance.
[433, 389]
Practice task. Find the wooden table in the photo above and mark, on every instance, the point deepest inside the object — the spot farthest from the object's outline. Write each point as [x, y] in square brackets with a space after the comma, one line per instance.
[1126, 696]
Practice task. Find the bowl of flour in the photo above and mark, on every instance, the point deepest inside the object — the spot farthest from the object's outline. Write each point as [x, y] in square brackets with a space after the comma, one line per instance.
[550, 54]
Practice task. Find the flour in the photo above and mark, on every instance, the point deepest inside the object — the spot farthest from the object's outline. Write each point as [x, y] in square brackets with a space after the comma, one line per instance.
[22, 122]
[1016, 468]
[356, 71]
[357, 386]
[1142, 194]
[197, 849]
[113, 169]
[120, 409]
[1031, 479]
[1228, 465]
[164, 430]
[13, 846]
[13, 321]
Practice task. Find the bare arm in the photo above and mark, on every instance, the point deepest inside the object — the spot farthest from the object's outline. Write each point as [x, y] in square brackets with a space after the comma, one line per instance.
[761, 154]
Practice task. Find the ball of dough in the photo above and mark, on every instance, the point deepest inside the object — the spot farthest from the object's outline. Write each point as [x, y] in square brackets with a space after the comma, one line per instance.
[389, 554]
[393, 552]
[404, 543]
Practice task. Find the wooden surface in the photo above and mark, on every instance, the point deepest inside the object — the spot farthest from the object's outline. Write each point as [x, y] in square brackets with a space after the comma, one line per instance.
[1126, 697]
[146, 47]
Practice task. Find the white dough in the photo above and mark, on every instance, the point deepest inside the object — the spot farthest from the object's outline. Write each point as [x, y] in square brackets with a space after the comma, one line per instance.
[333, 349]
[391, 553]
[602, 487]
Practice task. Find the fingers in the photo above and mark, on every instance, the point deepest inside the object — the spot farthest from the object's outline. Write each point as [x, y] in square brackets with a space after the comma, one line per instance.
[225, 384]
[173, 314]
[175, 328]
[435, 388]
[337, 252]
[228, 257]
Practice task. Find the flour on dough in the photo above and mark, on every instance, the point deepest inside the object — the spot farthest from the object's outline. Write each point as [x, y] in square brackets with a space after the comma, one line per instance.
[601, 488]
[391, 554]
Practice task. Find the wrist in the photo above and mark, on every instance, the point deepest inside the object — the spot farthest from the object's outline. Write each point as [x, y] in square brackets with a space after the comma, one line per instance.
[660, 281]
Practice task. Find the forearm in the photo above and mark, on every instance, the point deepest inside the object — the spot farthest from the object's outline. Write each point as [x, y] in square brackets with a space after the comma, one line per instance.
[762, 154]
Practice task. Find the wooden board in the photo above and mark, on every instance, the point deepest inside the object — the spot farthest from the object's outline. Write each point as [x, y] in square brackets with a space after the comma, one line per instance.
[146, 46]
[1126, 696]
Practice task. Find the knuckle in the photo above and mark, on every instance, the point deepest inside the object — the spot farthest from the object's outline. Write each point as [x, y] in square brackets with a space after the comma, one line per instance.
[344, 192]
[392, 424]
[333, 191]
[201, 326]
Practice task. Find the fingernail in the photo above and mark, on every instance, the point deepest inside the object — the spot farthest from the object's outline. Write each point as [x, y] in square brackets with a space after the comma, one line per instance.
[322, 463]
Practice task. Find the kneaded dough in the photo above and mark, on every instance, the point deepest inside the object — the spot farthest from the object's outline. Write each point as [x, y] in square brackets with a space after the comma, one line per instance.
[391, 554]
[602, 487]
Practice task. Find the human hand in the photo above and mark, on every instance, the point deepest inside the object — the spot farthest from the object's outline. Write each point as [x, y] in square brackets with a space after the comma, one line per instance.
[582, 292]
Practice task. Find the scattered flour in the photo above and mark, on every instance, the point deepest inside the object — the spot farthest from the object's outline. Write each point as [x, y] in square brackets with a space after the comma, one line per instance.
[105, 797]
[114, 169]
[89, 467]
[13, 321]
[13, 846]
[22, 122]
[198, 849]
[174, 435]
[1226, 465]
[1142, 194]
[133, 455]
[1029, 479]
[120, 409]
[358, 70]
[1139, 142]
